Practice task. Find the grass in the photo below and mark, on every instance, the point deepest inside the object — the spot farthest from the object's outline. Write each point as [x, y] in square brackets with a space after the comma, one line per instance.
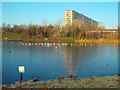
[14, 36]
[68, 38]
[97, 41]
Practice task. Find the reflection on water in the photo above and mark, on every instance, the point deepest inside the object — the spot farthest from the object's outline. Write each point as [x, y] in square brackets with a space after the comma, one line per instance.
[72, 59]
[54, 61]
[91, 61]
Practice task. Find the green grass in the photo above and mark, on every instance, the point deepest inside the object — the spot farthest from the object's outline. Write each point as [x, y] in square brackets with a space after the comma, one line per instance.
[14, 36]
[68, 38]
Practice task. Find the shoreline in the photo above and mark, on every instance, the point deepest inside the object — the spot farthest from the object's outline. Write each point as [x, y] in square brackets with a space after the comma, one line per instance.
[67, 41]
[24, 38]
[87, 82]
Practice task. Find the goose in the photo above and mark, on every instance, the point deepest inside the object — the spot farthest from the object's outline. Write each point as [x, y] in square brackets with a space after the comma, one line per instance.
[29, 44]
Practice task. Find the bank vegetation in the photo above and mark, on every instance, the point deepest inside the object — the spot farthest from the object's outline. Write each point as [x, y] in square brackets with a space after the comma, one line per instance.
[78, 32]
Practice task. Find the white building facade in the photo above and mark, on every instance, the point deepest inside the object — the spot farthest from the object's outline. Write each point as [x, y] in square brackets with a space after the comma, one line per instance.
[71, 15]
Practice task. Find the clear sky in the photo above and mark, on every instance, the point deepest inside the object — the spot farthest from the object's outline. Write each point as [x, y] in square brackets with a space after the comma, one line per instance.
[60, 0]
[25, 12]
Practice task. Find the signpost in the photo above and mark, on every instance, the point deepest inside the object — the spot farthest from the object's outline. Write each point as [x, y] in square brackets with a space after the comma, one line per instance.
[21, 71]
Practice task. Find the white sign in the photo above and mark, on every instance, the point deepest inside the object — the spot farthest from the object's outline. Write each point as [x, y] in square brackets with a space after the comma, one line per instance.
[21, 69]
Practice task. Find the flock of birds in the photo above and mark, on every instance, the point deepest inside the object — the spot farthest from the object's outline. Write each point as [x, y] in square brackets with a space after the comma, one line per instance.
[55, 44]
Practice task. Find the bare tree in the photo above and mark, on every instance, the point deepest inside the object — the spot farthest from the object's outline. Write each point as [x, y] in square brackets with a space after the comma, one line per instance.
[45, 22]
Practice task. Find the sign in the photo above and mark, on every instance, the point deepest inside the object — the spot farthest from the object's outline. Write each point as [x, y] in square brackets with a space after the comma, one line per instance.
[21, 69]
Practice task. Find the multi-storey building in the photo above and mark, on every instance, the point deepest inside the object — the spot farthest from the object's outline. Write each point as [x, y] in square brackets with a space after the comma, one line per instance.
[70, 16]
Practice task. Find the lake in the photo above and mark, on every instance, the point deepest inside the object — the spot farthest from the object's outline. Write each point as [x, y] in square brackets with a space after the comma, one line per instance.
[52, 61]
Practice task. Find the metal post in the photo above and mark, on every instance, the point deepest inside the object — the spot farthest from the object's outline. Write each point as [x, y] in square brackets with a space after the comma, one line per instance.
[21, 71]
[21, 77]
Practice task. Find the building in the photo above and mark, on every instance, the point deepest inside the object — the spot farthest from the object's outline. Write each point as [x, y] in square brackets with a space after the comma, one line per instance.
[70, 16]
[107, 31]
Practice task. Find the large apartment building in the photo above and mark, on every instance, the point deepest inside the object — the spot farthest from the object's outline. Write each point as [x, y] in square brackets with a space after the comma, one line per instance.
[70, 16]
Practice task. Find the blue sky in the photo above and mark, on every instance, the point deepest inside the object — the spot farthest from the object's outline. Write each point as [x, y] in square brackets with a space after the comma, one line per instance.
[25, 12]
[60, 0]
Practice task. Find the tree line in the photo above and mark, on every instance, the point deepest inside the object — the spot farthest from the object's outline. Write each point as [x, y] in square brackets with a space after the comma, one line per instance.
[77, 29]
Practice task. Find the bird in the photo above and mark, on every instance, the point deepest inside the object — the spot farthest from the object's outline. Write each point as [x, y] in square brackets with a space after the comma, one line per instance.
[35, 79]
[9, 51]
[107, 64]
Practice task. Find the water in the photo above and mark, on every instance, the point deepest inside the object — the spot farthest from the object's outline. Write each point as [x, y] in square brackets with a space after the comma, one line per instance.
[52, 62]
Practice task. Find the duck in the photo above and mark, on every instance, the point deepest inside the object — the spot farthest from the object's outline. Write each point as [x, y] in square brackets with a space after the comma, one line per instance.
[35, 79]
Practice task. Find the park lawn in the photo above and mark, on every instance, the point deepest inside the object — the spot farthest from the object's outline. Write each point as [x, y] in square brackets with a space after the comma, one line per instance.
[12, 36]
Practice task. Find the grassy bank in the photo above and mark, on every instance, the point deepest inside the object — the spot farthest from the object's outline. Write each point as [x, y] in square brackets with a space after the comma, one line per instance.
[97, 41]
[24, 38]
[90, 82]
